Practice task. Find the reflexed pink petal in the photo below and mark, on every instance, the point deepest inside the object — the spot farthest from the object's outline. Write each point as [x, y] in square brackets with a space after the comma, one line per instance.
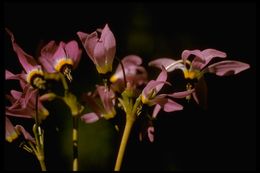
[27, 61]
[107, 98]
[156, 110]
[169, 64]
[10, 132]
[225, 68]
[150, 132]
[208, 55]
[49, 49]
[89, 42]
[73, 52]
[22, 112]
[30, 95]
[90, 117]
[167, 104]
[99, 54]
[26, 135]
[161, 62]
[162, 77]
[60, 53]
[8, 74]
[109, 43]
[47, 97]
[82, 36]
[46, 59]
[195, 97]
[150, 88]
[186, 53]
[16, 94]
[181, 94]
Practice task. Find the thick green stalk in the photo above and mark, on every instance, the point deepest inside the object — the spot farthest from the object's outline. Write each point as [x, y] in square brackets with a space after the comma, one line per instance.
[127, 130]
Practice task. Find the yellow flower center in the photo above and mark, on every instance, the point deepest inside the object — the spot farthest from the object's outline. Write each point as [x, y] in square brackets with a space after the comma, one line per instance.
[12, 136]
[32, 73]
[113, 78]
[61, 62]
[191, 74]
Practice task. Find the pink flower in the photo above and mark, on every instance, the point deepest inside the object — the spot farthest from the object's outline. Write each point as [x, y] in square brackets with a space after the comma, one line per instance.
[101, 50]
[23, 103]
[135, 74]
[148, 132]
[12, 133]
[60, 58]
[199, 65]
[34, 73]
[149, 95]
[106, 110]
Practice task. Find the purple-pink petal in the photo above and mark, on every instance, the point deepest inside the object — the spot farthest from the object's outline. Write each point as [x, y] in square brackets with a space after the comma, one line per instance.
[150, 132]
[109, 43]
[225, 68]
[181, 94]
[90, 117]
[151, 88]
[162, 77]
[73, 52]
[186, 53]
[10, 132]
[167, 63]
[26, 135]
[156, 110]
[89, 42]
[202, 58]
[107, 98]
[27, 61]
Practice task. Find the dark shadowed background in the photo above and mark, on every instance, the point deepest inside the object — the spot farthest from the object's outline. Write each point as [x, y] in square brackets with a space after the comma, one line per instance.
[223, 137]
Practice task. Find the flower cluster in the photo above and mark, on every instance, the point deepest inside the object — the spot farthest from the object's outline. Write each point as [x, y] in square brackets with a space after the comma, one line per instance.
[126, 88]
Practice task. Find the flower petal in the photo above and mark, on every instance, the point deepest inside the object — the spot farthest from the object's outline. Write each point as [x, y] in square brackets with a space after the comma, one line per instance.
[167, 104]
[107, 98]
[150, 132]
[73, 52]
[156, 110]
[89, 42]
[150, 90]
[169, 64]
[181, 94]
[202, 57]
[46, 58]
[225, 68]
[207, 56]
[27, 61]
[26, 135]
[10, 132]
[90, 117]
[162, 77]
[109, 44]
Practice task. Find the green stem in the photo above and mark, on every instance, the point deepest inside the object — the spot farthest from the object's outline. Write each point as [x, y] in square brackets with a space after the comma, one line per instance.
[127, 130]
[75, 144]
[42, 163]
[39, 155]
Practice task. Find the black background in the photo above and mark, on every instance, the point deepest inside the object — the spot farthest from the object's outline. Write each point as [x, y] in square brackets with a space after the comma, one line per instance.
[223, 137]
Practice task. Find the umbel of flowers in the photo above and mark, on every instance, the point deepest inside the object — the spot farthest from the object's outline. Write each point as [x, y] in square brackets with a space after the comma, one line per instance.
[126, 87]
